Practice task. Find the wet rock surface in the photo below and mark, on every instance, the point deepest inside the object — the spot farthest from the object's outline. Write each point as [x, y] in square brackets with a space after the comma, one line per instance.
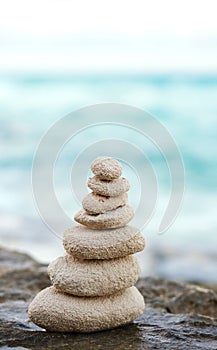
[177, 316]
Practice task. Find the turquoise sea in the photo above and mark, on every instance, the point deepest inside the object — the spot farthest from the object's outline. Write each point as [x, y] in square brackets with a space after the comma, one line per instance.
[185, 104]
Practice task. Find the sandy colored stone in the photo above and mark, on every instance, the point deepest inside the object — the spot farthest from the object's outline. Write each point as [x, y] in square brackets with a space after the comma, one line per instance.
[108, 188]
[61, 312]
[111, 219]
[86, 243]
[96, 204]
[106, 168]
[93, 277]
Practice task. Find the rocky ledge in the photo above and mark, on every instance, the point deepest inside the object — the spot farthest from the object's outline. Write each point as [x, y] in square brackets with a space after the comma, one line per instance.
[177, 315]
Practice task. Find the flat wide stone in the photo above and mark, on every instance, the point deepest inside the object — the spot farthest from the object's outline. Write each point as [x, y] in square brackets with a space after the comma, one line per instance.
[86, 243]
[93, 277]
[61, 312]
[111, 219]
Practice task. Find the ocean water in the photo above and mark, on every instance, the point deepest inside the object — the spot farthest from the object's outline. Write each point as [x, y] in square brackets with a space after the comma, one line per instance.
[186, 105]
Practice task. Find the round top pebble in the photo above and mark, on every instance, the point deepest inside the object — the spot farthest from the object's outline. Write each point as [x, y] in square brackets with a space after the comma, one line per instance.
[106, 168]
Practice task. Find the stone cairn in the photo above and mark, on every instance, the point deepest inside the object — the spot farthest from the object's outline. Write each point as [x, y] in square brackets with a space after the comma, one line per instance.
[93, 284]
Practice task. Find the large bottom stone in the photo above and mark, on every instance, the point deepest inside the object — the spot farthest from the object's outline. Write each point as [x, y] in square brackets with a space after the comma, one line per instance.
[60, 312]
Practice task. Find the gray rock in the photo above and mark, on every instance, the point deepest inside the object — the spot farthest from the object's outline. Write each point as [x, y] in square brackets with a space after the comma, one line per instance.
[179, 297]
[20, 276]
[170, 320]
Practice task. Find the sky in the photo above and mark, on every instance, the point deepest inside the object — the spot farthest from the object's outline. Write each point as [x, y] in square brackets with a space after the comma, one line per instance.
[80, 36]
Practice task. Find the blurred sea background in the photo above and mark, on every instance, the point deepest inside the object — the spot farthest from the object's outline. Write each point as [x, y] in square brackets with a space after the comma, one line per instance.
[58, 56]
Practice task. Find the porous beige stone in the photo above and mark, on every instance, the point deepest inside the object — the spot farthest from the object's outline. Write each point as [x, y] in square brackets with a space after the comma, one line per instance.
[114, 218]
[108, 188]
[86, 243]
[61, 312]
[96, 204]
[93, 277]
[106, 168]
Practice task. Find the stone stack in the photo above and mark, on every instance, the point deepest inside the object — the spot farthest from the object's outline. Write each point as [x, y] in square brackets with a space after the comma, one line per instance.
[93, 284]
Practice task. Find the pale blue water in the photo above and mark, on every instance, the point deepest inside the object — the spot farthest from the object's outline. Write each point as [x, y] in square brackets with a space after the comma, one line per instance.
[187, 105]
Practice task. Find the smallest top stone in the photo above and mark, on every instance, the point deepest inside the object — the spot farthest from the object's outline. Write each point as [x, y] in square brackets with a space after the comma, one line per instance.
[106, 168]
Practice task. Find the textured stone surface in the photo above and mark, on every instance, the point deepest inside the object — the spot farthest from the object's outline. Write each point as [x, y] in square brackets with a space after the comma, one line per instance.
[108, 188]
[85, 243]
[61, 312]
[96, 204]
[93, 277]
[106, 168]
[111, 219]
[157, 328]
[20, 276]
[179, 297]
